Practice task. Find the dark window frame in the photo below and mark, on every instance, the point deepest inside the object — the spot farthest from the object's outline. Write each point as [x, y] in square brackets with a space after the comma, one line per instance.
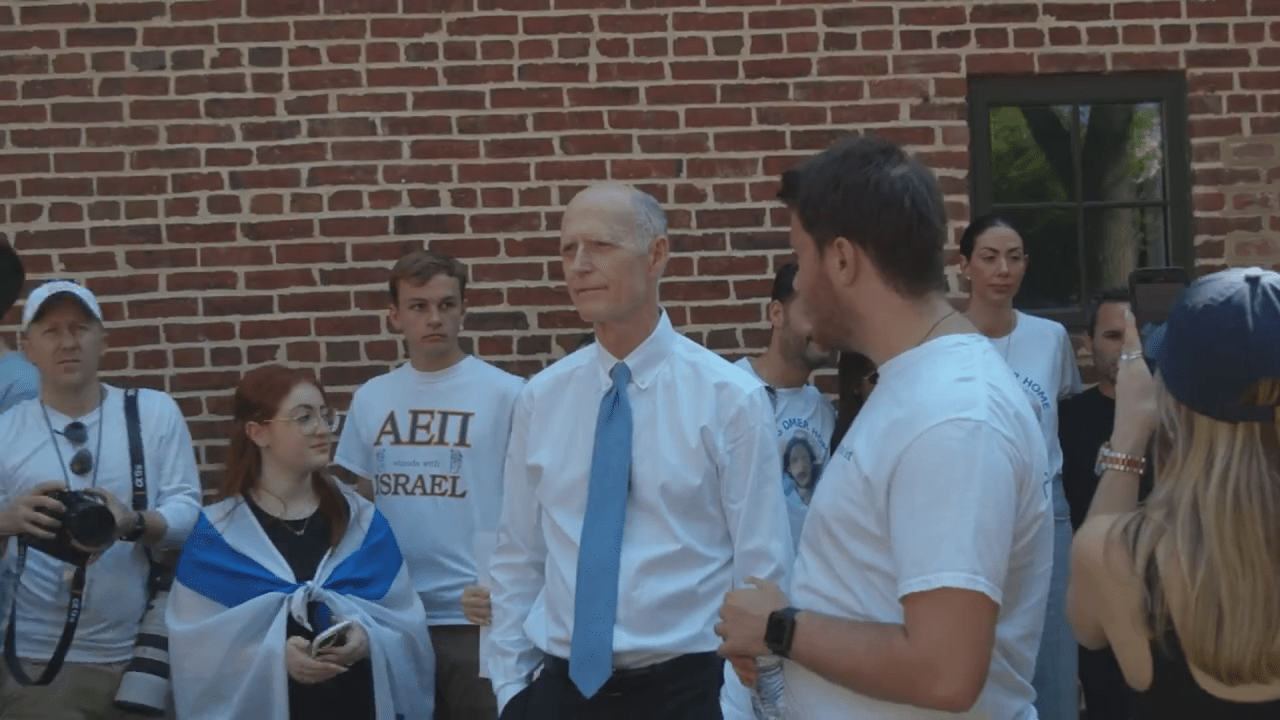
[1167, 89]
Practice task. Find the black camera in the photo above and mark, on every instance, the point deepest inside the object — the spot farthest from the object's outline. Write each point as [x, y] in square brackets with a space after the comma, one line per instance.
[86, 520]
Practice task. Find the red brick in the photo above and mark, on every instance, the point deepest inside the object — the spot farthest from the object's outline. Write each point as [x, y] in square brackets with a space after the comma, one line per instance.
[992, 63]
[858, 16]
[1175, 34]
[276, 8]
[853, 65]
[101, 37]
[1217, 8]
[921, 64]
[183, 35]
[59, 13]
[39, 89]
[780, 19]
[87, 112]
[1217, 58]
[1071, 62]
[29, 39]
[675, 143]
[933, 15]
[48, 137]
[1138, 35]
[128, 12]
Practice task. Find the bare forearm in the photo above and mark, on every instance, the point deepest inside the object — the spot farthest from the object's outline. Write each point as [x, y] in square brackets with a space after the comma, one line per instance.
[874, 659]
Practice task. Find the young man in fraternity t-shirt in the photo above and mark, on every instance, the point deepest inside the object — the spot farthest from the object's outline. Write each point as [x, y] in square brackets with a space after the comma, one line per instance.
[920, 586]
[428, 441]
[805, 416]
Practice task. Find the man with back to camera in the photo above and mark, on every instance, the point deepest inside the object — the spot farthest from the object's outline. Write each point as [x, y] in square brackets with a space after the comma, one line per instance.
[74, 436]
[1085, 422]
[805, 420]
[641, 484]
[923, 573]
[19, 379]
[427, 441]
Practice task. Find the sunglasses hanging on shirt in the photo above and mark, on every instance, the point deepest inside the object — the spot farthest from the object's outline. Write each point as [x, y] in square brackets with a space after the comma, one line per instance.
[82, 461]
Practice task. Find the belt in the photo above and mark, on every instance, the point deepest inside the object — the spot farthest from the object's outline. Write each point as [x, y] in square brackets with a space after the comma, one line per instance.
[633, 678]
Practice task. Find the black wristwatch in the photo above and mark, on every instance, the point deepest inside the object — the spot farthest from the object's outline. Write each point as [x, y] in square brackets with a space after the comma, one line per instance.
[780, 630]
[139, 527]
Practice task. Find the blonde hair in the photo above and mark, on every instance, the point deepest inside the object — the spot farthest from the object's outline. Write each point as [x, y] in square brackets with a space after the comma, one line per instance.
[1215, 512]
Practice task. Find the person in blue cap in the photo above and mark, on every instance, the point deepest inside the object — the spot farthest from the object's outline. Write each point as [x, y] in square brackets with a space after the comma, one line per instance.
[1184, 588]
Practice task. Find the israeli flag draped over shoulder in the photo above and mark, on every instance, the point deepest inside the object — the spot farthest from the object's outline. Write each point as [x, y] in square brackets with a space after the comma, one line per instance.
[232, 596]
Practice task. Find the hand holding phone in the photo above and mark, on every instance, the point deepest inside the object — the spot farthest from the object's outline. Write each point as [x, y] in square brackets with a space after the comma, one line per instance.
[335, 636]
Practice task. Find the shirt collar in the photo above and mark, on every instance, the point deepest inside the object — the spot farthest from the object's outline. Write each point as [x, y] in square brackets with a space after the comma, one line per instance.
[646, 360]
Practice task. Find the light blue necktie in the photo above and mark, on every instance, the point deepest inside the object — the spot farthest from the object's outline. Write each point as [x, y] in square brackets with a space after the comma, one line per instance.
[595, 603]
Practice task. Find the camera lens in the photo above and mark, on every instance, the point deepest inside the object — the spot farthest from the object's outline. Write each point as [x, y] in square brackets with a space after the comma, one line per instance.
[89, 522]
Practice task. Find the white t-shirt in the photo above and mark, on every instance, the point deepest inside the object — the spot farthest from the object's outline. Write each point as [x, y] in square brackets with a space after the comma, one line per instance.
[116, 584]
[1042, 358]
[806, 419]
[942, 481]
[433, 443]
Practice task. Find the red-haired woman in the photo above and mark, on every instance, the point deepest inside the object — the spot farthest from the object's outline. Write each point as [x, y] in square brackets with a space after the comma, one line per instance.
[285, 555]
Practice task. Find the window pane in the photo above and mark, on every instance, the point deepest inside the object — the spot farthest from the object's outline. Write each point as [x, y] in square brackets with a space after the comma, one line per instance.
[1031, 157]
[1053, 263]
[1117, 240]
[1122, 154]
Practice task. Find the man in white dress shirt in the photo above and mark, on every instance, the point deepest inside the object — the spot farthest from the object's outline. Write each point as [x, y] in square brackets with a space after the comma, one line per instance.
[921, 580]
[641, 485]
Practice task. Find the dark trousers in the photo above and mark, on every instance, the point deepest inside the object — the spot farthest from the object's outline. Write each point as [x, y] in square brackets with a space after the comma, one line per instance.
[1106, 694]
[683, 688]
[461, 694]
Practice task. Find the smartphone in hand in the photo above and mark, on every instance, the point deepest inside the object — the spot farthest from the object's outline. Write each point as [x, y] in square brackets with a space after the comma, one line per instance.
[1152, 291]
[335, 636]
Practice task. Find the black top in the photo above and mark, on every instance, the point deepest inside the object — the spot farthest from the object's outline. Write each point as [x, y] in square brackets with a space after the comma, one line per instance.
[1174, 692]
[1085, 422]
[348, 696]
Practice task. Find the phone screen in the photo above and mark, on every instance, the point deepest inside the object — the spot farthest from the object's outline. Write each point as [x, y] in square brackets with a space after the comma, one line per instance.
[1153, 300]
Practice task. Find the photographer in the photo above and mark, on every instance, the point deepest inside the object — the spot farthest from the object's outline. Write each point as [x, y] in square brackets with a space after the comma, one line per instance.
[83, 574]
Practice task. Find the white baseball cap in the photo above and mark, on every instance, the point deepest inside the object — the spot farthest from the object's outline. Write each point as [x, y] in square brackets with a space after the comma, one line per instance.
[47, 291]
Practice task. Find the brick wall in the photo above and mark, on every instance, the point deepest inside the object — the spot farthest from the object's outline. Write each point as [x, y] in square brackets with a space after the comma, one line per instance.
[234, 177]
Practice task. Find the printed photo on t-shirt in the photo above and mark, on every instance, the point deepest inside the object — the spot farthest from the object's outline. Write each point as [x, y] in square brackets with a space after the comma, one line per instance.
[802, 464]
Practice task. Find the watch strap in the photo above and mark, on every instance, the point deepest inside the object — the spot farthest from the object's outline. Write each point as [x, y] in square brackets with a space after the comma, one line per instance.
[139, 527]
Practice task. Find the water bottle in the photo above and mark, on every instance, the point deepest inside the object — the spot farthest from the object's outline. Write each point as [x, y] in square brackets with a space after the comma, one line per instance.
[768, 695]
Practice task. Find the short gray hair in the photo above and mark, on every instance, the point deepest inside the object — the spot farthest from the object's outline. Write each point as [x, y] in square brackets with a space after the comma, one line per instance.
[650, 220]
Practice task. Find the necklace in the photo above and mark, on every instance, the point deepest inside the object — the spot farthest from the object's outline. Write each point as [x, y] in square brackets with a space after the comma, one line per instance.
[97, 453]
[1008, 338]
[284, 510]
[289, 527]
[935, 327]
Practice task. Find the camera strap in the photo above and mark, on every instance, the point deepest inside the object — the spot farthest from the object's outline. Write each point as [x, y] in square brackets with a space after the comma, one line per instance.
[138, 479]
[68, 629]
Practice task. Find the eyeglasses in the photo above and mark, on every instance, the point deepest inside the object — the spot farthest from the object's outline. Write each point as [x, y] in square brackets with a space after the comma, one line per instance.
[78, 434]
[308, 421]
